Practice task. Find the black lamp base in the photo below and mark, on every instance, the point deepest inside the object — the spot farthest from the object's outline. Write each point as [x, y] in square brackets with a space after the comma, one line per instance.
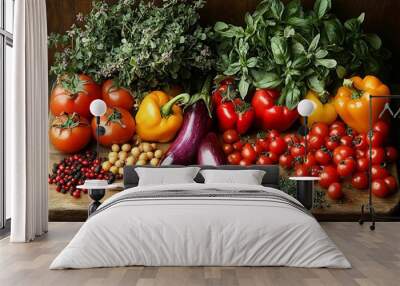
[96, 195]
[305, 191]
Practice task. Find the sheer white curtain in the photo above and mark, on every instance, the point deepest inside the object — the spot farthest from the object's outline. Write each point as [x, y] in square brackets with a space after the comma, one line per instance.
[27, 143]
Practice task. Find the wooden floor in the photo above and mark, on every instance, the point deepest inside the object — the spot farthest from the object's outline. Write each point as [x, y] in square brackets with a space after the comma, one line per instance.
[375, 257]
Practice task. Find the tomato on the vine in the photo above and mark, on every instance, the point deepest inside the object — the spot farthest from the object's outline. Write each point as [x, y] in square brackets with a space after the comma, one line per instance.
[328, 176]
[262, 141]
[379, 172]
[271, 134]
[391, 183]
[337, 131]
[391, 154]
[316, 141]
[377, 155]
[301, 171]
[297, 150]
[335, 191]
[346, 141]
[323, 156]
[258, 148]
[332, 142]
[360, 181]
[264, 160]
[360, 154]
[291, 139]
[361, 142]
[362, 164]
[234, 158]
[342, 152]
[286, 161]
[338, 124]
[376, 139]
[309, 161]
[346, 167]
[382, 127]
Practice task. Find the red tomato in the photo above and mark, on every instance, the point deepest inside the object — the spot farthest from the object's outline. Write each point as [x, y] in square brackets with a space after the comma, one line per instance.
[332, 142]
[258, 148]
[361, 142]
[391, 183]
[115, 96]
[291, 139]
[249, 153]
[315, 171]
[360, 181]
[382, 127]
[228, 148]
[342, 152]
[310, 161]
[362, 164]
[264, 160]
[297, 150]
[273, 157]
[301, 171]
[360, 154]
[391, 154]
[320, 129]
[234, 158]
[286, 161]
[346, 141]
[323, 156]
[377, 155]
[379, 172]
[230, 136]
[335, 191]
[245, 162]
[337, 124]
[119, 126]
[379, 188]
[328, 176]
[346, 167]
[376, 140]
[278, 145]
[83, 90]
[337, 131]
[237, 146]
[315, 142]
[262, 141]
[272, 134]
[225, 89]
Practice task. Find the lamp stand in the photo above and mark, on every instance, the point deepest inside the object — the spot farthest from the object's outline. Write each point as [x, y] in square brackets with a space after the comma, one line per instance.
[100, 131]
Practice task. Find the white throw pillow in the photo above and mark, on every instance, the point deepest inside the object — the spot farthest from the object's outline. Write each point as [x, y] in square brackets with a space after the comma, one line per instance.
[247, 177]
[164, 176]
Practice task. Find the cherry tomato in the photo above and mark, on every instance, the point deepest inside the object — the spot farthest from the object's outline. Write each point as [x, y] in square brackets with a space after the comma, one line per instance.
[310, 161]
[377, 155]
[262, 141]
[245, 162]
[273, 157]
[258, 148]
[297, 150]
[228, 148]
[391, 154]
[337, 124]
[337, 131]
[376, 139]
[315, 142]
[362, 164]
[328, 176]
[249, 153]
[323, 156]
[230, 136]
[237, 146]
[379, 188]
[291, 139]
[286, 161]
[277, 145]
[346, 141]
[382, 127]
[272, 134]
[234, 158]
[379, 172]
[335, 191]
[342, 152]
[315, 171]
[360, 181]
[346, 167]
[320, 129]
[301, 171]
[360, 154]
[332, 142]
[361, 142]
[391, 183]
[264, 160]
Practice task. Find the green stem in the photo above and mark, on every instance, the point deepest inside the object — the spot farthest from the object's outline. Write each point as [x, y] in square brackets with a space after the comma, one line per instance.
[203, 95]
[355, 94]
[167, 108]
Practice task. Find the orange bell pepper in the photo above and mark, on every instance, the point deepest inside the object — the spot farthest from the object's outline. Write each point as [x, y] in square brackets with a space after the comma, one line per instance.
[352, 101]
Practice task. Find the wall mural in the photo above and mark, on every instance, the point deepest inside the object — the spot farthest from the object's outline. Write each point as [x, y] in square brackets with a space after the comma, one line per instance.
[180, 93]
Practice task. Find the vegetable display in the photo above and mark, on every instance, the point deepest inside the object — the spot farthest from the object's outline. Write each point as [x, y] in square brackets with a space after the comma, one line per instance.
[210, 152]
[324, 112]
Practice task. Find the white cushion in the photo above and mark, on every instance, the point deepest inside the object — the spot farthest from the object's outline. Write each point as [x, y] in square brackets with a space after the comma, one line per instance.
[163, 176]
[246, 177]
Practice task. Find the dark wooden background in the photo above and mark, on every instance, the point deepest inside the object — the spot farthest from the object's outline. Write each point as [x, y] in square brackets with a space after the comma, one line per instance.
[382, 16]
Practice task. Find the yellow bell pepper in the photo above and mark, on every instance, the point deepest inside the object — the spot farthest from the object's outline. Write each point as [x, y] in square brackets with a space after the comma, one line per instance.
[325, 113]
[353, 98]
[159, 118]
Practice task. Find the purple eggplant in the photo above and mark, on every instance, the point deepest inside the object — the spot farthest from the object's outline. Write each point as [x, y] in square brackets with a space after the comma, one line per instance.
[195, 126]
[210, 151]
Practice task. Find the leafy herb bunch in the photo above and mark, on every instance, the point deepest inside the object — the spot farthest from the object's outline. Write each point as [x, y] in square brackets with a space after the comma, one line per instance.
[139, 44]
[292, 49]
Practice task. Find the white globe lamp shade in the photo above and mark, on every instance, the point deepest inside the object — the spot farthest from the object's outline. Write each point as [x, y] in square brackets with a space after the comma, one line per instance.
[98, 107]
[305, 107]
